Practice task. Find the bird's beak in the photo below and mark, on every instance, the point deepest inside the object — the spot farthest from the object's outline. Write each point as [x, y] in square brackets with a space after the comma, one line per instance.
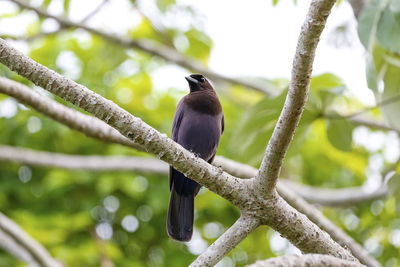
[191, 80]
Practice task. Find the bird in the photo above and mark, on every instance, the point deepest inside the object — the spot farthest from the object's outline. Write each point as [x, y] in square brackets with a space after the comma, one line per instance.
[197, 126]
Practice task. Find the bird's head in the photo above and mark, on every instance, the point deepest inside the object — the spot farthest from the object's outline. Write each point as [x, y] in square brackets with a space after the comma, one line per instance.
[198, 82]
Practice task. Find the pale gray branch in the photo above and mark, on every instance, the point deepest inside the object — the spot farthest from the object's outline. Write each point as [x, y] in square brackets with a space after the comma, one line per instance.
[342, 197]
[96, 163]
[372, 124]
[156, 49]
[214, 178]
[289, 222]
[226, 242]
[297, 95]
[306, 260]
[335, 232]
[11, 246]
[22, 239]
[240, 192]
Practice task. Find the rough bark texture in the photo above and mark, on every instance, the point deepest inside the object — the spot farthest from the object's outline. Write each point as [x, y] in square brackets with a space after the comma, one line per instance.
[335, 232]
[234, 189]
[307, 260]
[38, 253]
[231, 188]
[156, 49]
[258, 201]
[228, 241]
[297, 95]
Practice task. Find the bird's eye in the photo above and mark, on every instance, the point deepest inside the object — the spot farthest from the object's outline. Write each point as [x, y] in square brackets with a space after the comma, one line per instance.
[202, 79]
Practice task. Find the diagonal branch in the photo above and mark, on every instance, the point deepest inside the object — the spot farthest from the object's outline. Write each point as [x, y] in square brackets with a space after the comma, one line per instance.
[39, 72]
[226, 242]
[152, 48]
[22, 239]
[335, 232]
[296, 97]
[309, 260]
[224, 184]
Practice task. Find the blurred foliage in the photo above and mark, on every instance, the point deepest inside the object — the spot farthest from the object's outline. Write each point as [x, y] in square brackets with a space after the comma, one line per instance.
[82, 217]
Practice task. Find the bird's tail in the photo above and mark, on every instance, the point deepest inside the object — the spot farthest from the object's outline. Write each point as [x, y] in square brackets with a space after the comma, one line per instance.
[180, 216]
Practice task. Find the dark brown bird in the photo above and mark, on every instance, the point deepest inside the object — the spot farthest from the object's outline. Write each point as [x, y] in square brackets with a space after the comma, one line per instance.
[198, 125]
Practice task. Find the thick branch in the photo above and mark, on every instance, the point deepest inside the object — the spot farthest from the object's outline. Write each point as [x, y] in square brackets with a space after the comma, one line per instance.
[335, 232]
[342, 197]
[38, 253]
[214, 178]
[226, 242]
[152, 48]
[307, 260]
[289, 222]
[297, 95]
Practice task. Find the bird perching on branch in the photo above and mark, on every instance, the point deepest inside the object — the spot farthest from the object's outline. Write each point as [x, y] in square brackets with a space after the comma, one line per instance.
[198, 125]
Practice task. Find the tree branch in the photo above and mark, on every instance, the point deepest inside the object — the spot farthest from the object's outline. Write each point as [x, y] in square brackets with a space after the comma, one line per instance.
[226, 242]
[94, 163]
[100, 163]
[152, 48]
[342, 197]
[296, 97]
[309, 260]
[328, 197]
[286, 220]
[37, 251]
[240, 192]
[224, 184]
[335, 232]
[230, 166]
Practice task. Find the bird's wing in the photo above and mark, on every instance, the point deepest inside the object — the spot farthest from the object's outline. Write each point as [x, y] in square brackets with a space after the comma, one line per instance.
[222, 124]
[177, 121]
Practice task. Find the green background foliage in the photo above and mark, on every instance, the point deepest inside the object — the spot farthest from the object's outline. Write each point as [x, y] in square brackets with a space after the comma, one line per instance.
[61, 209]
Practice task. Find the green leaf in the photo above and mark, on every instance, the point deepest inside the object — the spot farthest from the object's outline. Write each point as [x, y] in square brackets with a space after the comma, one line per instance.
[368, 20]
[387, 66]
[394, 190]
[323, 89]
[339, 132]
[66, 6]
[257, 125]
[372, 79]
[388, 30]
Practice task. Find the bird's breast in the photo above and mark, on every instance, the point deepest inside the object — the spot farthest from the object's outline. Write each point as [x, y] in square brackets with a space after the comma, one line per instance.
[200, 133]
